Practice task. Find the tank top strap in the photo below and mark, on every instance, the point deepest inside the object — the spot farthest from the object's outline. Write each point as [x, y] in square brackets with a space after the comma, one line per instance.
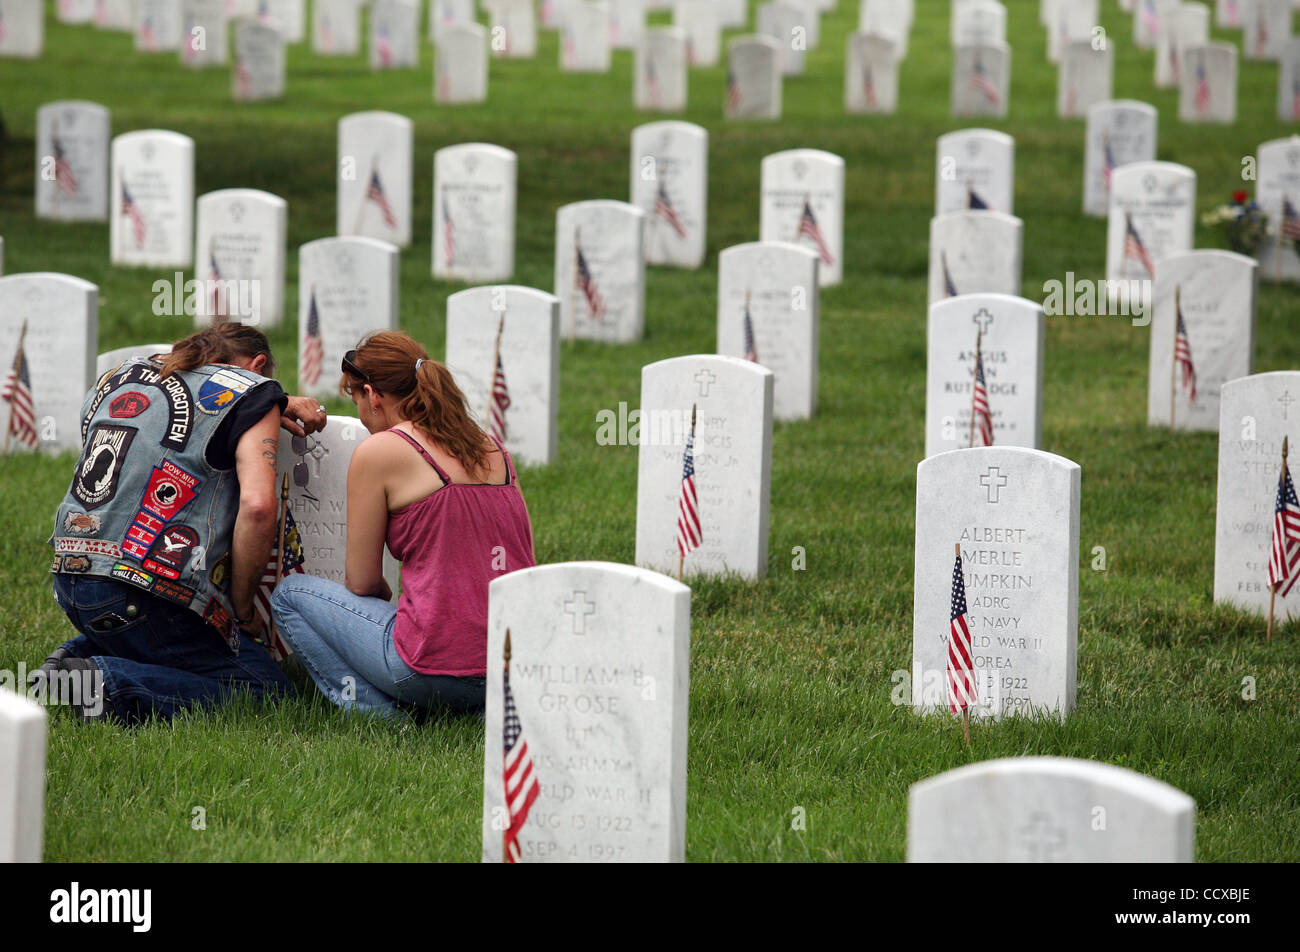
[423, 452]
[510, 464]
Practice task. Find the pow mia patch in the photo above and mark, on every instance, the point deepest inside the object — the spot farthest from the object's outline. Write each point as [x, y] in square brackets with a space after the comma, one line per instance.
[81, 523]
[101, 464]
[171, 551]
[127, 405]
[221, 390]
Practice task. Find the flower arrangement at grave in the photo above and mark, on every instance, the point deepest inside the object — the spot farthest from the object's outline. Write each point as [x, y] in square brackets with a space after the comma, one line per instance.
[1243, 222]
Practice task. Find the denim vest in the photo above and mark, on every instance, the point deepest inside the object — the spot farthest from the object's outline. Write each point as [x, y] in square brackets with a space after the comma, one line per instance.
[144, 507]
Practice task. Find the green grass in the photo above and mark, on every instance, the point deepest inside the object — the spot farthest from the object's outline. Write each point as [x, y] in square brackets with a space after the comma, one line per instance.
[790, 679]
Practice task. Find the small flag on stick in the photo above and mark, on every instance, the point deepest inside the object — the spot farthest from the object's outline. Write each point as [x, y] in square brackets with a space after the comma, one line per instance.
[1284, 555]
[962, 687]
[519, 780]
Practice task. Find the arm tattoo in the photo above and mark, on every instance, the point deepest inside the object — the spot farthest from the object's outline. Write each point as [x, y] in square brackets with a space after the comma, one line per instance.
[271, 455]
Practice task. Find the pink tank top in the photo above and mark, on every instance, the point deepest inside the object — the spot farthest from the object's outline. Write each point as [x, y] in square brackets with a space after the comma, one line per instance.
[451, 544]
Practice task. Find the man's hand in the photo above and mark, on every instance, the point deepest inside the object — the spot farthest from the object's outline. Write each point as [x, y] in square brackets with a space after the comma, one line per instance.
[303, 415]
[255, 627]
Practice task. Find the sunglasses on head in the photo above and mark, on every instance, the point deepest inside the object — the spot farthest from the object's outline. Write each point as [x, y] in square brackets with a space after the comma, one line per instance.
[353, 370]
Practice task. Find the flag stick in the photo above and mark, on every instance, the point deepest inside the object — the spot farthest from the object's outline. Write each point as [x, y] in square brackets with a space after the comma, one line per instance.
[798, 228]
[965, 711]
[573, 309]
[492, 380]
[1173, 360]
[505, 833]
[279, 546]
[970, 440]
[1272, 589]
[361, 208]
[681, 558]
[18, 362]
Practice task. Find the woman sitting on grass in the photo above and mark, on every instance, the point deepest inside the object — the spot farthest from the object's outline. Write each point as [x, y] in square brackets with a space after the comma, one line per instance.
[445, 498]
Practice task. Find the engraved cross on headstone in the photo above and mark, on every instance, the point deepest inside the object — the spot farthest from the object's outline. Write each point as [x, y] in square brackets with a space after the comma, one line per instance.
[1041, 838]
[1286, 400]
[983, 319]
[705, 379]
[579, 608]
[993, 480]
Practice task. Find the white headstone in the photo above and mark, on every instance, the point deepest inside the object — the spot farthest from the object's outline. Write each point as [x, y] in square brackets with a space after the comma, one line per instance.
[259, 62]
[802, 202]
[981, 80]
[203, 33]
[394, 34]
[374, 194]
[785, 21]
[600, 270]
[887, 18]
[1118, 132]
[112, 358]
[1046, 810]
[1228, 13]
[1255, 416]
[1085, 78]
[699, 20]
[22, 779]
[157, 25]
[1278, 167]
[1152, 214]
[347, 287]
[528, 321]
[61, 314]
[1015, 514]
[978, 21]
[871, 74]
[115, 15]
[1190, 27]
[474, 212]
[287, 16]
[768, 313]
[1072, 22]
[733, 14]
[1149, 18]
[1266, 29]
[444, 14]
[974, 252]
[1214, 294]
[975, 169]
[659, 69]
[152, 206]
[335, 27]
[1207, 89]
[670, 184]
[72, 161]
[76, 11]
[23, 35]
[753, 78]
[584, 37]
[1288, 82]
[512, 25]
[461, 64]
[626, 23]
[732, 460]
[600, 684]
[1009, 332]
[241, 249]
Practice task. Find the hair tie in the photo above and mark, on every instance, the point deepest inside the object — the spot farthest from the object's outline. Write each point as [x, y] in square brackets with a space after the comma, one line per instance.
[417, 364]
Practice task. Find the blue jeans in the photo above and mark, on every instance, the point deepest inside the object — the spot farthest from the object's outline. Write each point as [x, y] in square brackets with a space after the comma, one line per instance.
[346, 643]
[159, 657]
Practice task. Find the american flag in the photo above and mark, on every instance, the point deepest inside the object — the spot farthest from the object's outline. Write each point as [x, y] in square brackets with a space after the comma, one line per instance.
[326, 33]
[65, 180]
[689, 531]
[263, 10]
[147, 36]
[1261, 29]
[243, 79]
[949, 288]
[808, 226]
[974, 202]
[979, 79]
[587, 284]
[384, 46]
[448, 231]
[868, 87]
[664, 209]
[962, 688]
[18, 392]
[1133, 247]
[1290, 220]
[1183, 357]
[291, 562]
[520, 782]
[733, 92]
[313, 351]
[500, 399]
[980, 400]
[1173, 59]
[444, 80]
[1108, 161]
[1202, 88]
[1284, 560]
[751, 349]
[1149, 18]
[218, 312]
[570, 47]
[652, 82]
[131, 211]
[375, 193]
[191, 42]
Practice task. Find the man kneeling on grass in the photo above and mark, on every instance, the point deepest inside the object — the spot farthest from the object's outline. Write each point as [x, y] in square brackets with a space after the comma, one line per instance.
[163, 535]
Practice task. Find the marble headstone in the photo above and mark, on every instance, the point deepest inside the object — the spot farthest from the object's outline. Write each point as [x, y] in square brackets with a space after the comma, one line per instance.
[768, 314]
[974, 252]
[1072, 22]
[785, 22]
[753, 78]
[1085, 78]
[474, 212]
[699, 20]
[394, 34]
[1015, 513]
[529, 324]
[75, 11]
[347, 287]
[802, 202]
[151, 222]
[157, 25]
[733, 14]
[1152, 213]
[444, 14]
[335, 27]
[118, 15]
[1118, 132]
[259, 62]
[1265, 29]
[584, 37]
[72, 161]
[461, 64]
[1288, 82]
[1278, 166]
[975, 169]
[978, 21]
[512, 27]
[1227, 13]
[112, 358]
[1190, 27]
[23, 33]
[1255, 416]
[22, 778]
[374, 176]
[203, 34]
[659, 68]
[287, 16]
[1048, 810]
[600, 270]
[61, 314]
[888, 18]
[626, 23]
[1214, 292]
[732, 455]
[1010, 332]
[599, 674]
[240, 238]
[981, 80]
[1207, 89]
[871, 74]
[1149, 18]
[670, 184]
